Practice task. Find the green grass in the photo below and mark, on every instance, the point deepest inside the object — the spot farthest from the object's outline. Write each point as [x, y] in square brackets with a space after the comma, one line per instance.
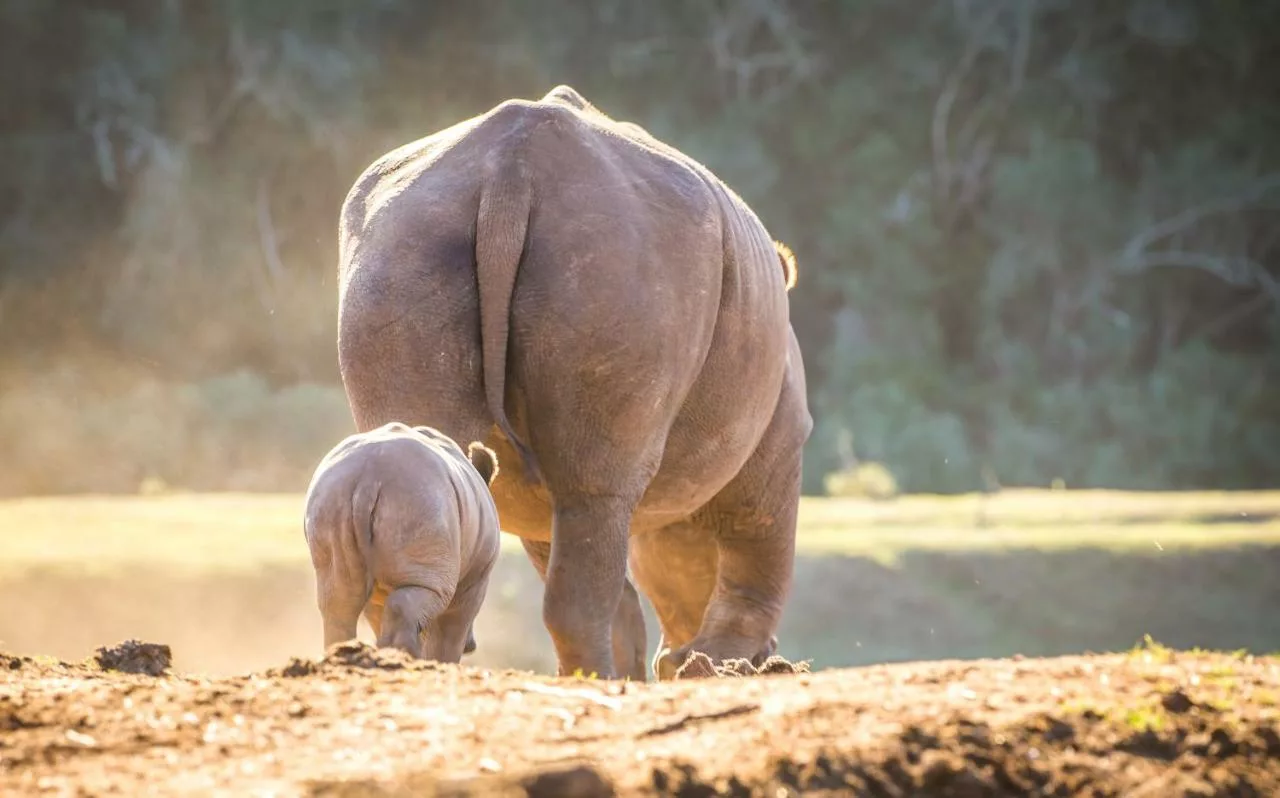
[234, 531]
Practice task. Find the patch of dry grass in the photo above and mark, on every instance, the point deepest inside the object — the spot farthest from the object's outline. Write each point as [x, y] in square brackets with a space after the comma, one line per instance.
[218, 531]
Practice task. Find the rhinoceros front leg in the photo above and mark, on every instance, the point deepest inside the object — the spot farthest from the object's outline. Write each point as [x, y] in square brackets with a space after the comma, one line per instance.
[408, 612]
[756, 555]
[373, 612]
[450, 636]
[628, 635]
[676, 568]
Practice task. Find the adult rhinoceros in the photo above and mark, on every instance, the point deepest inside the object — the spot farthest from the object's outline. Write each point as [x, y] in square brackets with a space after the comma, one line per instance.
[612, 320]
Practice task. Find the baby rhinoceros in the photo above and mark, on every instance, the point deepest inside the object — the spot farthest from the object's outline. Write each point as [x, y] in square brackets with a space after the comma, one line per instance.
[402, 527]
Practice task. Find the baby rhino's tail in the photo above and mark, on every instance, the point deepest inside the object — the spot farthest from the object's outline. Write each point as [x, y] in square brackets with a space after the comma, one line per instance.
[340, 536]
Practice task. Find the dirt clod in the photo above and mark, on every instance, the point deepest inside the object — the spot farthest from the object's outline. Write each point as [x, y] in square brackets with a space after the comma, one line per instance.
[298, 667]
[1177, 701]
[134, 656]
[772, 665]
[582, 781]
[358, 654]
[698, 664]
[351, 654]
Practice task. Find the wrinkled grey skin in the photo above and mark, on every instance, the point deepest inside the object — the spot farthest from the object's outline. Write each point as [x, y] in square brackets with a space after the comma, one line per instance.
[605, 313]
[402, 527]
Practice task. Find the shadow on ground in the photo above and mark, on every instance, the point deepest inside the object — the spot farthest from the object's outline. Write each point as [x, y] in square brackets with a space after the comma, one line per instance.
[845, 610]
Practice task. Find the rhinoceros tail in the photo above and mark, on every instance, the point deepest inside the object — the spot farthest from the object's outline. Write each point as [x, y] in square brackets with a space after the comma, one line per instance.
[501, 226]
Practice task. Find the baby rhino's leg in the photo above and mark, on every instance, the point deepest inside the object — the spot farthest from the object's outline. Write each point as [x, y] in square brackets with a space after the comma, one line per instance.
[451, 635]
[409, 612]
[373, 609]
[340, 605]
[342, 586]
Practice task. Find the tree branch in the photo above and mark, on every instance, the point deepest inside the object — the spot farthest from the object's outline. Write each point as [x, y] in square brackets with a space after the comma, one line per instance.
[1026, 10]
[1232, 316]
[943, 105]
[1233, 271]
[790, 55]
[103, 150]
[1134, 249]
[268, 240]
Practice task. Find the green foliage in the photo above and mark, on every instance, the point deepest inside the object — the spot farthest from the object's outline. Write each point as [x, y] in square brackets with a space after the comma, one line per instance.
[1035, 240]
[69, 432]
[866, 480]
[923, 448]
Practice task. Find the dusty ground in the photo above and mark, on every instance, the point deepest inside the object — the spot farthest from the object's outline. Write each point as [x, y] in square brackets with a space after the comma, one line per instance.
[363, 723]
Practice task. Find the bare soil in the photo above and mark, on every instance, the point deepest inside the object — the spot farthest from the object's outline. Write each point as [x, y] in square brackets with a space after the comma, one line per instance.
[362, 722]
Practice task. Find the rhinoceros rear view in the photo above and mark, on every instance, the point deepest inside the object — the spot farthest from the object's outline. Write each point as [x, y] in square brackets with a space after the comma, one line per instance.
[612, 320]
[401, 528]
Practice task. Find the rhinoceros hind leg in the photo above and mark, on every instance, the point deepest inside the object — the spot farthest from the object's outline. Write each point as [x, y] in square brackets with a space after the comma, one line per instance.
[340, 603]
[628, 632]
[586, 579]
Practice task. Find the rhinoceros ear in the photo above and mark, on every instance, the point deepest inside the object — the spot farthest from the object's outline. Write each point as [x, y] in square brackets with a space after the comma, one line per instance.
[485, 461]
[787, 258]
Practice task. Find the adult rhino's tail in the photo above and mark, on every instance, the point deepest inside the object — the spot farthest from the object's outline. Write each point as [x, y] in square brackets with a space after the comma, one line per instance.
[501, 226]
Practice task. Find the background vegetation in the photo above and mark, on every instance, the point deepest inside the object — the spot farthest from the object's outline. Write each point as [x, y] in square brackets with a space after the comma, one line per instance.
[1038, 238]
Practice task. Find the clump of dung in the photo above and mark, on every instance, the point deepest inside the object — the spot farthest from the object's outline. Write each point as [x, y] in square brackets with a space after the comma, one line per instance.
[134, 656]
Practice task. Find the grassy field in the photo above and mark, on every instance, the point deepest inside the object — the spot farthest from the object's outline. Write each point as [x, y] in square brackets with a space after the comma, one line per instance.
[246, 531]
[226, 579]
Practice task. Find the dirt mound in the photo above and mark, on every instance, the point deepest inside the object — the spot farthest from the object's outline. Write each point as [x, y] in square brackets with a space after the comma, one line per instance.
[364, 722]
[351, 654]
[134, 656]
[560, 781]
[1046, 755]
